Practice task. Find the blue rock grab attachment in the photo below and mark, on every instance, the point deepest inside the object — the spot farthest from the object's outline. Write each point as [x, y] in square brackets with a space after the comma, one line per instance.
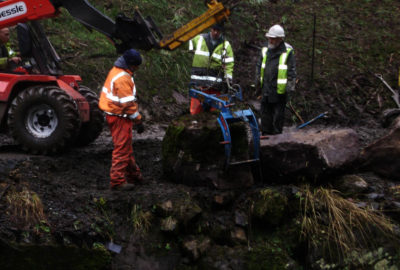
[224, 103]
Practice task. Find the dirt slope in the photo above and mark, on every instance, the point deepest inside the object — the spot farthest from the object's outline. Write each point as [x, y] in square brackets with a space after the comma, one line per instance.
[353, 40]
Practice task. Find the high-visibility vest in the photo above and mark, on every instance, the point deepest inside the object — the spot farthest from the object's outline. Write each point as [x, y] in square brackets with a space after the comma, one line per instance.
[211, 63]
[10, 52]
[118, 94]
[282, 68]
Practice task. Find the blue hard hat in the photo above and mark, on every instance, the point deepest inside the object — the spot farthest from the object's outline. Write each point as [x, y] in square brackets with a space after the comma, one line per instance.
[132, 57]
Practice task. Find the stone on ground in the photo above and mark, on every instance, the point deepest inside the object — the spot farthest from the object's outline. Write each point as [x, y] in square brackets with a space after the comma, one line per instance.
[308, 153]
[383, 155]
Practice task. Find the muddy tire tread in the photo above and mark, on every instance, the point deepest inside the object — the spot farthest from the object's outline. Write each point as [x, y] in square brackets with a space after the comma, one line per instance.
[66, 131]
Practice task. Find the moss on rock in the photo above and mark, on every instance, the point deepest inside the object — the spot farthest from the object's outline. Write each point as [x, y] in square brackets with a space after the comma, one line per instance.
[270, 206]
[192, 152]
[267, 257]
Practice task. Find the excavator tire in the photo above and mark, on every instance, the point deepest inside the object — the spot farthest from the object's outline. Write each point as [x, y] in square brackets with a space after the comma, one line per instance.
[44, 120]
[90, 130]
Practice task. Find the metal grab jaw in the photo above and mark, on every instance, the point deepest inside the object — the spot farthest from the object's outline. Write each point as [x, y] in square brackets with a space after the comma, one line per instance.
[224, 103]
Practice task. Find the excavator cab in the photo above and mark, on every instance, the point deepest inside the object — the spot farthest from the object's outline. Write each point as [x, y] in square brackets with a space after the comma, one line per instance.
[36, 50]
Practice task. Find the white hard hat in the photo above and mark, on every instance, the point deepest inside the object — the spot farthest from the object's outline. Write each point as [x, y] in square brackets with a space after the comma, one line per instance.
[276, 31]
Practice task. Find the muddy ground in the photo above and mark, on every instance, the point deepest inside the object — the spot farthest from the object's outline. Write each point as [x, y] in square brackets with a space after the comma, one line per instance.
[80, 209]
[68, 185]
[71, 185]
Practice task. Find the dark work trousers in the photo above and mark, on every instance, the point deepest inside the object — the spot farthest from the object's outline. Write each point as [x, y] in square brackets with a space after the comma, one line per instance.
[272, 117]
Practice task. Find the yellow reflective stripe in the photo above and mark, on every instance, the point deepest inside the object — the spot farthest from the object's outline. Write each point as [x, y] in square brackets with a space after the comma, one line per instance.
[203, 53]
[199, 43]
[264, 51]
[225, 60]
[282, 59]
[127, 99]
[109, 95]
[112, 97]
[282, 81]
[228, 60]
[282, 72]
[224, 53]
[226, 44]
[217, 56]
[122, 115]
[206, 78]
[119, 75]
[190, 45]
[131, 116]
[264, 61]
[199, 51]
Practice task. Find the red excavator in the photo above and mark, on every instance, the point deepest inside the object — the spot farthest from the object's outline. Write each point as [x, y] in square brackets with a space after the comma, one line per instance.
[46, 111]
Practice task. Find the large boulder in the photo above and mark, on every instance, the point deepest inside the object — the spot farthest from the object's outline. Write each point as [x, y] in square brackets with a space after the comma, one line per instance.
[192, 153]
[309, 153]
[383, 155]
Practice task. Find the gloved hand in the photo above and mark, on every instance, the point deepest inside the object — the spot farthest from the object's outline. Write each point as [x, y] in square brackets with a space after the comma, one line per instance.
[133, 117]
[139, 128]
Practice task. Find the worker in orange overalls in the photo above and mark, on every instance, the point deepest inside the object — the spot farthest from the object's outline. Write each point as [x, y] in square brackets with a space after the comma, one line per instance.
[118, 101]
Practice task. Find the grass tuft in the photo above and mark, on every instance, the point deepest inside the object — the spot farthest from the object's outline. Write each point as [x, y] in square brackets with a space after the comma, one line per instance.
[141, 221]
[339, 225]
[25, 208]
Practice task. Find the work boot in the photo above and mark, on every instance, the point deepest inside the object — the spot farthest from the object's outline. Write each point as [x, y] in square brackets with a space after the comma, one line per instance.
[123, 187]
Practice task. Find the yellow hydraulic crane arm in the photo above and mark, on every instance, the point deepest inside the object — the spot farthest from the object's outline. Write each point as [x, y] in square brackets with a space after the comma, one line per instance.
[216, 12]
